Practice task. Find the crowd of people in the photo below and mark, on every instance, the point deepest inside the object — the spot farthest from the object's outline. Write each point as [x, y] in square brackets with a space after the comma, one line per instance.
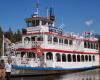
[5, 69]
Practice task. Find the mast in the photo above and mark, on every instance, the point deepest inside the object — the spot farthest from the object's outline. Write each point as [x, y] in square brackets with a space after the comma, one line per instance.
[37, 8]
[36, 13]
[47, 13]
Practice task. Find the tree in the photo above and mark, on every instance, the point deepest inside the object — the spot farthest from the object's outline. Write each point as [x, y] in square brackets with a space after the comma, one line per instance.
[1, 39]
[13, 37]
[18, 35]
[9, 34]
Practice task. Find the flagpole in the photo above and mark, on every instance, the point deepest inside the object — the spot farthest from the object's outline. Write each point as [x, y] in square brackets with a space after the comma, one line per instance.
[3, 46]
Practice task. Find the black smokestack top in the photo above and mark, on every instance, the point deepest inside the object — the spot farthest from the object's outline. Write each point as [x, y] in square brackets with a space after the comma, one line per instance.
[52, 16]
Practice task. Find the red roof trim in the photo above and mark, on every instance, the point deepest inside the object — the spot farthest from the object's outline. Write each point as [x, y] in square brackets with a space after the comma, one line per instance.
[60, 35]
[90, 41]
[53, 33]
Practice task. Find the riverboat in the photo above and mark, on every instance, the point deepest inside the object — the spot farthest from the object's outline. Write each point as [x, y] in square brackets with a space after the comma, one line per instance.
[46, 49]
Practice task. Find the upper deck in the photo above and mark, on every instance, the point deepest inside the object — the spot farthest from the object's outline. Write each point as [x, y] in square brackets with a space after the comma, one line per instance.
[41, 32]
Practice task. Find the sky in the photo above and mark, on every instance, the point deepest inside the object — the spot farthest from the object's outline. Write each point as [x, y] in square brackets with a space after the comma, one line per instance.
[77, 16]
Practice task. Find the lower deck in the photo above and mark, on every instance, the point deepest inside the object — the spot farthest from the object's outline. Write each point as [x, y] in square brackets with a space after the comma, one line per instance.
[55, 60]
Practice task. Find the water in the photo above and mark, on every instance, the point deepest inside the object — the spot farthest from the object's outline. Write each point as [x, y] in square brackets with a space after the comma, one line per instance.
[86, 75]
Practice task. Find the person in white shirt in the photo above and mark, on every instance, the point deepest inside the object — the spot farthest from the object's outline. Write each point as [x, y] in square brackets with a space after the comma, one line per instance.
[8, 68]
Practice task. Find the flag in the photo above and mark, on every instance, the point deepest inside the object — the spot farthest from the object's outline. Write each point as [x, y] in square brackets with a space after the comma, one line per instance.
[6, 44]
[7, 41]
[88, 34]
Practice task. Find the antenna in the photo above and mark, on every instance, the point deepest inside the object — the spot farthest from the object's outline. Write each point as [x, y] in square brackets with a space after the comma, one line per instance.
[62, 21]
[47, 12]
[37, 8]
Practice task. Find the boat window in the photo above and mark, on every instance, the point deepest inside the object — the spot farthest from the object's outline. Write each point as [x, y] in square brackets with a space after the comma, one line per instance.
[63, 57]
[43, 22]
[49, 56]
[89, 57]
[49, 39]
[88, 44]
[30, 55]
[78, 58]
[91, 45]
[18, 54]
[35, 23]
[40, 38]
[58, 57]
[26, 39]
[60, 40]
[55, 39]
[69, 57]
[65, 41]
[70, 42]
[93, 58]
[85, 44]
[33, 38]
[29, 24]
[74, 58]
[86, 57]
[43, 56]
[96, 46]
[82, 58]
[23, 54]
[33, 55]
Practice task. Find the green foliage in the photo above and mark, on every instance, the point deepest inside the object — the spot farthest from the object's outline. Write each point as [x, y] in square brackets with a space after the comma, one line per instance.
[1, 33]
[12, 36]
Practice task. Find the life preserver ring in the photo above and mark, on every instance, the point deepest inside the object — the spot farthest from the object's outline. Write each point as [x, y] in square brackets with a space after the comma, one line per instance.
[39, 51]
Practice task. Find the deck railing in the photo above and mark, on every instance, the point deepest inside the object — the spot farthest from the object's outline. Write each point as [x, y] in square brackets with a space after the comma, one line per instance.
[24, 61]
[32, 62]
[36, 43]
[30, 44]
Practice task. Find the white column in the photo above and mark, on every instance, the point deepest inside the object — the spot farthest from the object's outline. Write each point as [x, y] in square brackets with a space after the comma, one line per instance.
[52, 40]
[44, 56]
[40, 23]
[26, 54]
[54, 59]
[45, 40]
